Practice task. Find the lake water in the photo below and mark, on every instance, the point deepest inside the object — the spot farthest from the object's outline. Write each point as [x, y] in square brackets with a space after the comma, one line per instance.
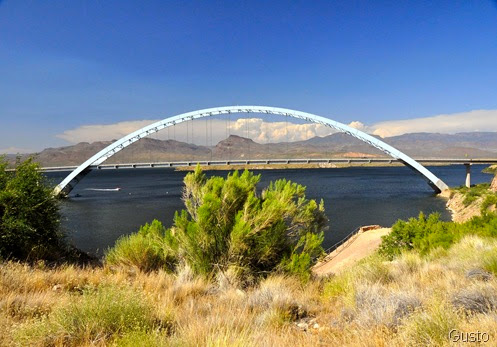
[353, 197]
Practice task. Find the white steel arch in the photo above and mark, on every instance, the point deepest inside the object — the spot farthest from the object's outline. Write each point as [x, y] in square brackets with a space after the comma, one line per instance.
[74, 177]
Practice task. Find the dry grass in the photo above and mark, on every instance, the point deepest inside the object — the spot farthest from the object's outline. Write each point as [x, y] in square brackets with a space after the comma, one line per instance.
[409, 301]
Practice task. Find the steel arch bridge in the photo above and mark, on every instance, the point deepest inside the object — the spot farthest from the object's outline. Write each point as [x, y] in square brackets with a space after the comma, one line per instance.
[75, 176]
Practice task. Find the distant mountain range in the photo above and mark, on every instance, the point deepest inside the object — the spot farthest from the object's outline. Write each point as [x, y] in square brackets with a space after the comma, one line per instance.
[426, 145]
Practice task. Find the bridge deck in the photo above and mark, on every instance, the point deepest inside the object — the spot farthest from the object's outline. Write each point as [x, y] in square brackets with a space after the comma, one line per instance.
[187, 163]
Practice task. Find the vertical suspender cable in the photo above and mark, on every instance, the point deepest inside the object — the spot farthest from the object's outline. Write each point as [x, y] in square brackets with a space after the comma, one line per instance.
[169, 143]
[286, 133]
[193, 150]
[229, 134]
[248, 136]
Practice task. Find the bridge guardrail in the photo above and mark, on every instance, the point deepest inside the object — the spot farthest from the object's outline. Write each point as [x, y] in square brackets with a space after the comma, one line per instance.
[328, 251]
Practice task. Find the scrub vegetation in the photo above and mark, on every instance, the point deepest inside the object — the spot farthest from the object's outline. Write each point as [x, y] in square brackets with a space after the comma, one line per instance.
[427, 233]
[228, 227]
[411, 300]
[29, 216]
[429, 278]
[479, 191]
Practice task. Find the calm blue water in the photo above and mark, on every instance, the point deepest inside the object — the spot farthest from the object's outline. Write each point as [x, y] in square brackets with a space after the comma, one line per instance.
[353, 197]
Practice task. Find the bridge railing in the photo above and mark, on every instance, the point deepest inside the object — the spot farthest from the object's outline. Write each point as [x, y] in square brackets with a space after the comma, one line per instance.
[257, 161]
[343, 242]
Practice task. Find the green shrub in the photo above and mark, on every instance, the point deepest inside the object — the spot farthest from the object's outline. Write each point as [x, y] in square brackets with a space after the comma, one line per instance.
[490, 263]
[421, 234]
[338, 285]
[227, 224]
[472, 194]
[150, 249]
[100, 314]
[29, 215]
[484, 225]
[425, 234]
[141, 338]
[490, 201]
[492, 169]
[431, 327]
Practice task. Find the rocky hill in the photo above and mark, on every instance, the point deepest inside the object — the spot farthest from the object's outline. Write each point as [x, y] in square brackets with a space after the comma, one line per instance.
[431, 145]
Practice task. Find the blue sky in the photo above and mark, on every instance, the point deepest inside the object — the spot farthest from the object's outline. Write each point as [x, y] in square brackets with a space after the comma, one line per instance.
[68, 64]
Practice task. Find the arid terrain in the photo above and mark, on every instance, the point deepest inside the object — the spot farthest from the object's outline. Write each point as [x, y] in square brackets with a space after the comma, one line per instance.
[426, 145]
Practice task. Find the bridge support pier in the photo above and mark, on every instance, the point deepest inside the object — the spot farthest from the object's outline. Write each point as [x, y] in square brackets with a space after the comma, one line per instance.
[468, 174]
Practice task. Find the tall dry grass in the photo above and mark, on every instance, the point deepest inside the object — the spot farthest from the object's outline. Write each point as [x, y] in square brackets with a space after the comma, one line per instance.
[412, 300]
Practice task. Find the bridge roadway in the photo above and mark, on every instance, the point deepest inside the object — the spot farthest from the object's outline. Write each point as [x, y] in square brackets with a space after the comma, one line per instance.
[186, 163]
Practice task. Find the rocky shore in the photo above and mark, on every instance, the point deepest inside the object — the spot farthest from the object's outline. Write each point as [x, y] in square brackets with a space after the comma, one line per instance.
[458, 204]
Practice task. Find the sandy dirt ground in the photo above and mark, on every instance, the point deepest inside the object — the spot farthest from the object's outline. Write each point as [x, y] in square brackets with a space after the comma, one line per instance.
[358, 247]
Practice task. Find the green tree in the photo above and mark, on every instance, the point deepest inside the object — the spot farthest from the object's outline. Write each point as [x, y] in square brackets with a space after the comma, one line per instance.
[29, 215]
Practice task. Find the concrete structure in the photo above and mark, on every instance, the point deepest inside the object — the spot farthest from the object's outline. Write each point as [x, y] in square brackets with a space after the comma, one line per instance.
[468, 174]
[258, 162]
[74, 177]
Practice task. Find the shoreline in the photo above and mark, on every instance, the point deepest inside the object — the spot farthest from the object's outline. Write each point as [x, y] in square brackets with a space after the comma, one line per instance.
[293, 166]
[447, 195]
[366, 242]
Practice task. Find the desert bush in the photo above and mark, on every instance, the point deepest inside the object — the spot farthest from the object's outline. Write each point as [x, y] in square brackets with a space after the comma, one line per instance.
[275, 297]
[338, 285]
[473, 193]
[226, 225]
[421, 234]
[29, 215]
[490, 263]
[490, 202]
[484, 225]
[151, 248]
[431, 326]
[427, 233]
[21, 306]
[101, 314]
[476, 299]
[374, 269]
[376, 306]
[141, 338]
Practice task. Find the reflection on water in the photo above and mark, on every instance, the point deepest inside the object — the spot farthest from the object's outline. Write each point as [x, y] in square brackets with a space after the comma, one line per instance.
[97, 213]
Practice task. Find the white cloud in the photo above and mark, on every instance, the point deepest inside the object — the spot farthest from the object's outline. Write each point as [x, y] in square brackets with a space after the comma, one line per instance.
[15, 150]
[359, 126]
[478, 120]
[92, 133]
[264, 132]
[258, 130]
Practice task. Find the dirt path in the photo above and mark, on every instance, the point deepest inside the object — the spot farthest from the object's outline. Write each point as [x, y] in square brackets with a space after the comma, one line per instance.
[359, 246]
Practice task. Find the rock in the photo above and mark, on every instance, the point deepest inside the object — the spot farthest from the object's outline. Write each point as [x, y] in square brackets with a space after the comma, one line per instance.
[303, 326]
[57, 288]
[315, 326]
[493, 186]
[479, 274]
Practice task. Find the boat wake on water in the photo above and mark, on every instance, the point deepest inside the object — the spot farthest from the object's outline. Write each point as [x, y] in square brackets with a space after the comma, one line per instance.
[104, 189]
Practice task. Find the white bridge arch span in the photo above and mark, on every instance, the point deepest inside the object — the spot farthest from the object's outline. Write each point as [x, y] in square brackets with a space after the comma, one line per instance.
[74, 177]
